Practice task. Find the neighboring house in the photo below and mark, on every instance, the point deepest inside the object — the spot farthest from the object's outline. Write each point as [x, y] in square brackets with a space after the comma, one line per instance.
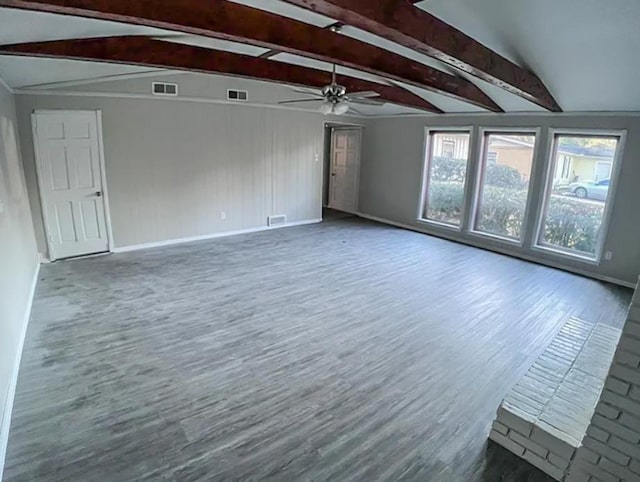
[513, 153]
[584, 164]
[574, 163]
[453, 146]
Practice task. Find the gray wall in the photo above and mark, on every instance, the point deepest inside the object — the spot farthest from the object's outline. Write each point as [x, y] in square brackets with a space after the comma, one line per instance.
[18, 254]
[173, 166]
[390, 181]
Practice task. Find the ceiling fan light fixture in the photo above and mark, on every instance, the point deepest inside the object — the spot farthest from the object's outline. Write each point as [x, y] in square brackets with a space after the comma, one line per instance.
[341, 108]
[326, 108]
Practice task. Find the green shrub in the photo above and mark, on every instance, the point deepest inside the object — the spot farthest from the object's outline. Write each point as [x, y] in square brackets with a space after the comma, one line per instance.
[500, 175]
[570, 223]
[502, 210]
[448, 170]
[445, 201]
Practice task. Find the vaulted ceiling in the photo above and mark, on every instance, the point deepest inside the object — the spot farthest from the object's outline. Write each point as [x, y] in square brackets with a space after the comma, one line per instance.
[430, 56]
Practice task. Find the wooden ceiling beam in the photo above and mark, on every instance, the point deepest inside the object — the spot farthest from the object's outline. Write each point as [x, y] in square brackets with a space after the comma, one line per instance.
[144, 51]
[403, 23]
[239, 23]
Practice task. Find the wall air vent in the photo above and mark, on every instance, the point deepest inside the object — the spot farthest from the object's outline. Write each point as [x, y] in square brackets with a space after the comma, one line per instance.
[164, 88]
[277, 220]
[237, 95]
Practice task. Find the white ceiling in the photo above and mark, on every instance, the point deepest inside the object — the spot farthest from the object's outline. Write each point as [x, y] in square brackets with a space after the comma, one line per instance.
[18, 26]
[288, 10]
[216, 44]
[585, 51]
[22, 72]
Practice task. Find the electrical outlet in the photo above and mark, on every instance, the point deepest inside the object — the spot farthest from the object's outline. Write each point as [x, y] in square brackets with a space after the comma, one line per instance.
[223, 215]
[608, 255]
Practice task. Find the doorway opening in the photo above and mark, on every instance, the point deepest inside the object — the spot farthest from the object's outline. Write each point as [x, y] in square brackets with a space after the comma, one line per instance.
[342, 154]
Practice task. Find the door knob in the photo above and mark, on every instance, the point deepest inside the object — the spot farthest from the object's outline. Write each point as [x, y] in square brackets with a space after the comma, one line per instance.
[98, 193]
[333, 173]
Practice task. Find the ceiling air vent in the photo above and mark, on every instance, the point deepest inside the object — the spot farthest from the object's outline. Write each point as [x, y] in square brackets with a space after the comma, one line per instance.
[238, 95]
[164, 88]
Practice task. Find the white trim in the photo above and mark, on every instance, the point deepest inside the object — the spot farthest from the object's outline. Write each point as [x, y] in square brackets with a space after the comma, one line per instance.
[105, 190]
[499, 250]
[104, 78]
[172, 242]
[43, 258]
[330, 124]
[11, 393]
[454, 228]
[101, 161]
[551, 166]
[8, 87]
[204, 100]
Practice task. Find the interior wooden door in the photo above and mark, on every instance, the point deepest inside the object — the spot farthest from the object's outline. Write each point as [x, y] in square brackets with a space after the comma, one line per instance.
[345, 166]
[71, 184]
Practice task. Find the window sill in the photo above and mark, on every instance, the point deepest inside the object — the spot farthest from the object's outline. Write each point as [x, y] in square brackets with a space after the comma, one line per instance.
[497, 237]
[440, 224]
[561, 253]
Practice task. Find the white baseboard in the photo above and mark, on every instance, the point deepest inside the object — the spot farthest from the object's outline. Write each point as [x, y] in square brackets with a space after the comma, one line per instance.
[11, 393]
[525, 257]
[171, 242]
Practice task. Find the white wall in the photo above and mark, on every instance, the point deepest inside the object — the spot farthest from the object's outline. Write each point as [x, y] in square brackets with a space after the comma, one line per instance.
[173, 166]
[18, 258]
[391, 174]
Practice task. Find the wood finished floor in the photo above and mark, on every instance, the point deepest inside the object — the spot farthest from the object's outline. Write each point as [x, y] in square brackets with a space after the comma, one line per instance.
[341, 351]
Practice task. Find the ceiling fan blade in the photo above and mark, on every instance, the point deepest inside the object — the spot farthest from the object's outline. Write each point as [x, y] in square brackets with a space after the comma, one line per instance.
[367, 101]
[364, 94]
[356, 111]
[298, 101]
[303, 90]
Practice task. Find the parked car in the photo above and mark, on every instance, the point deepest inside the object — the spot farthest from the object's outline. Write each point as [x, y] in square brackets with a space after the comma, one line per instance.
[591, 189]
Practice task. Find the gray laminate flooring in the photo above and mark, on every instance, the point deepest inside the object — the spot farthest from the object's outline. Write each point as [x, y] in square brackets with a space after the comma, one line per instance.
[341, 351]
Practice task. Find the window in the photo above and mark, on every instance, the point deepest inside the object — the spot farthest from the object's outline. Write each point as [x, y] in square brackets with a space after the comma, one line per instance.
[503, 188]
[574, 214]
[448, 149]
[445, 176]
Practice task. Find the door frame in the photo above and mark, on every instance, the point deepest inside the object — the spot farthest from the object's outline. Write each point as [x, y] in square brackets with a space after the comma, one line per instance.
[337, 127]
[103, 174]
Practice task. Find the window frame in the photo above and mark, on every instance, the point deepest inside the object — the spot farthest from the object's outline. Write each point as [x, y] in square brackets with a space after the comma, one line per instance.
[425, 179]
[543, 205]
[480, 172]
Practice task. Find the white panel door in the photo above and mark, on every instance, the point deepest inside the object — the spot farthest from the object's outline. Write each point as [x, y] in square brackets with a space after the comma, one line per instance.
[71, 184]
[345, 165]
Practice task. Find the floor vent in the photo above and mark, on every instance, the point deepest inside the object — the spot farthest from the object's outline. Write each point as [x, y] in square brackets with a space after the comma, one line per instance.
[277, 220]
[164, 88]
[238, 95]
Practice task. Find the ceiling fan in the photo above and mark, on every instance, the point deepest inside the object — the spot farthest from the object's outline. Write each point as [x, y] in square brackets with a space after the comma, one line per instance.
[335, 98]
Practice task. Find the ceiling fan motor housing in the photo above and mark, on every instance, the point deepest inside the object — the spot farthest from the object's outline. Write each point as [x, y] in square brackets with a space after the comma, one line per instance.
[334, 92]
